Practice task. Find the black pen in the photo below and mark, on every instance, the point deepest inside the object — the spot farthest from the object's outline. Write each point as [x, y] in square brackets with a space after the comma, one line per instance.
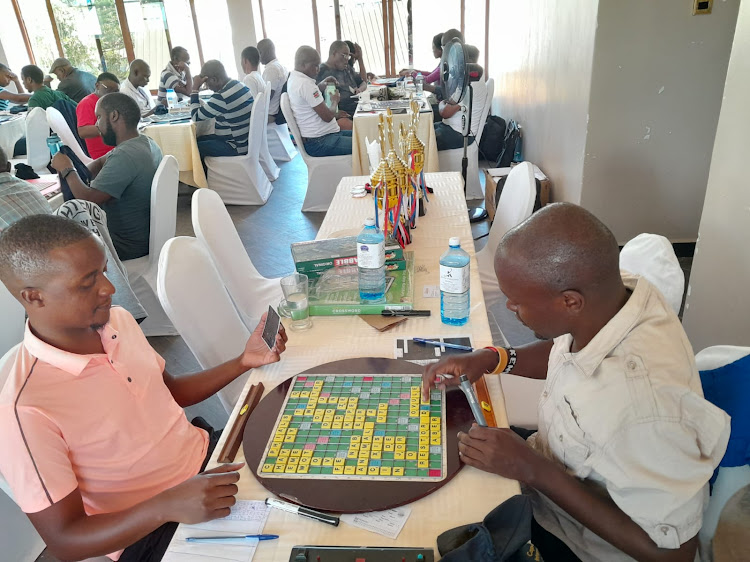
[405, 313]
[304, 511]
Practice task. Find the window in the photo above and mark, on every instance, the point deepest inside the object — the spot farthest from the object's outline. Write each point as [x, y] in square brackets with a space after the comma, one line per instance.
[147, 20]
[289, 25]
[39, 28]
[428, 22]
[181, 29]
[215, 33]
[15, 50]
[362, 22]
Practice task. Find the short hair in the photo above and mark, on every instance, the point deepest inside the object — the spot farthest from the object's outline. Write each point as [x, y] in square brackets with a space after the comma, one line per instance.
[304, 56]
[350, 44]
[437, 41]
[26, 244]
[34, 72]
[451, 34]
[4, 68]
[3, 158]
[336, 46]
[177, 52]
[124, 105]
[472, 53]
[107, 76]
[214, 69]
[251, 54]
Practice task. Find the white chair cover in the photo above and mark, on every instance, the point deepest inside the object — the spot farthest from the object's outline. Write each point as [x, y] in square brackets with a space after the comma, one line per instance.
[250, 291]
[266, 160]
[280, 145]
[142, 271]
[37, 131]
[323, 174]
[196, 301]
[13, 321]
[730, 478]
[653, 257]
[241, 180]
[450, 160]
[59, 125]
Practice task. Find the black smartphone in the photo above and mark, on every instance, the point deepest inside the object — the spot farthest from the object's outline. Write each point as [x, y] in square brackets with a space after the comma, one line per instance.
[271, 328]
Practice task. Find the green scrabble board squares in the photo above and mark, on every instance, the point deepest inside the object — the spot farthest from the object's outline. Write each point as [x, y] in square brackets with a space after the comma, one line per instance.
[365, 427]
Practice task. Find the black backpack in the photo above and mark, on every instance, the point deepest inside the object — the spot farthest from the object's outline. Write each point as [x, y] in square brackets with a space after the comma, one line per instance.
[509, 145]
[493, 136]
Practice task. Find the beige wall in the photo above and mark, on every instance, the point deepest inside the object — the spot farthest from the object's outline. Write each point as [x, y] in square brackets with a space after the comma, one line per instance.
[657, 78]
[243, 29]
[541, 53]
[718, 303]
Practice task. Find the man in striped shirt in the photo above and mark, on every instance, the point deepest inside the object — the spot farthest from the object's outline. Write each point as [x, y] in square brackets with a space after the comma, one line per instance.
[230, 106]
[176, 76]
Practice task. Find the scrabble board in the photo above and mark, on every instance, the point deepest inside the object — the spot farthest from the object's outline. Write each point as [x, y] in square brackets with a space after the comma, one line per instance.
[357, 427]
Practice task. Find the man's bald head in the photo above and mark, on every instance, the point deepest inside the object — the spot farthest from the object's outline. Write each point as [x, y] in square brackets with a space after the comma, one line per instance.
[140, 73]
[25, 248]
[267, 50]
[562, 247]
[307, 60]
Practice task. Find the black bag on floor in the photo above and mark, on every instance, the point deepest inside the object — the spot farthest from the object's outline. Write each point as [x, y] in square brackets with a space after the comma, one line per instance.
[509, 145]
[493, 138]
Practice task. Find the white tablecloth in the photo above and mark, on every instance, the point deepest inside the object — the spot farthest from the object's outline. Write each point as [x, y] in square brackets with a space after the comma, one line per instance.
[10, 132]
[472, 493]
[179, 140]
[366, 125]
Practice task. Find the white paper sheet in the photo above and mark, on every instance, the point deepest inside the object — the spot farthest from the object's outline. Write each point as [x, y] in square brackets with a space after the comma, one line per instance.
[247, 518]
[387, 523]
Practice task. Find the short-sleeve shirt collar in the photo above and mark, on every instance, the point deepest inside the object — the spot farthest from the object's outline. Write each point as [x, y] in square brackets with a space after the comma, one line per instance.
[71, 363]
[615, 331]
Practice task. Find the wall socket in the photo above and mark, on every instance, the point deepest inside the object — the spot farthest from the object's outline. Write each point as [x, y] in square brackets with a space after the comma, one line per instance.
[701, 7]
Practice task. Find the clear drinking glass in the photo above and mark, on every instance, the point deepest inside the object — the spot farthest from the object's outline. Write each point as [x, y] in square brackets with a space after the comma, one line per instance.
[294, 305]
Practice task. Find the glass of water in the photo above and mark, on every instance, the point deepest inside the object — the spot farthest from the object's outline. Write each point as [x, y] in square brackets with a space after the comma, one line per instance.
[295, 304]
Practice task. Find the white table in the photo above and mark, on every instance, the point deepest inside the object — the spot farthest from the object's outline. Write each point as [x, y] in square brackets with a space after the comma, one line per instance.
[11, 131]
[472, 494]
[180, 141]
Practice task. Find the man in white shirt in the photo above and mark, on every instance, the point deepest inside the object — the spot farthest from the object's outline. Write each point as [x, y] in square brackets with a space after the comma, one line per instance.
[250, 59]
[135, 86]
[274, 73]
[323, 132]
[619, 467]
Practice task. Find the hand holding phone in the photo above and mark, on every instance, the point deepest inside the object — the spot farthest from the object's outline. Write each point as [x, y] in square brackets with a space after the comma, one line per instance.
[271, 327]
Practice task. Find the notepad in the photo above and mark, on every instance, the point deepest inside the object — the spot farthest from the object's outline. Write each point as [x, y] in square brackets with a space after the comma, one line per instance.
[248, 517]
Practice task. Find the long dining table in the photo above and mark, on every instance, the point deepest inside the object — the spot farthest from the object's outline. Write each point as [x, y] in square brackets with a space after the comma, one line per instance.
[471, 494]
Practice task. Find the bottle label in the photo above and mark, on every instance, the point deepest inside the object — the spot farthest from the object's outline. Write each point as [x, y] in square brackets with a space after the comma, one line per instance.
[371, 256]
[454, 279]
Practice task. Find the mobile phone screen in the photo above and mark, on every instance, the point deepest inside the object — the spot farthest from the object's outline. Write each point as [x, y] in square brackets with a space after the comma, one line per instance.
[271, 328]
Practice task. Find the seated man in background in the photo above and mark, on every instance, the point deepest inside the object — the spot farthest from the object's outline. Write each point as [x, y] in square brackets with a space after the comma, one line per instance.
[348, 82]
[176, 76]
[96, 445]
[626, 445]
[230, 107]
[135, 86]
[6, 77]
[250, 59]
[120, 181]
[274, 73]
[106, 83]
[41, 95]
[75, 83]
[448, 132]
[323, 132]
[18, 198]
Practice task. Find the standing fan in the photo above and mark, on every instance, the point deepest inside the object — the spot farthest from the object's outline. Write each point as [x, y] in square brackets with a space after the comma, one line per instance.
[454, 81]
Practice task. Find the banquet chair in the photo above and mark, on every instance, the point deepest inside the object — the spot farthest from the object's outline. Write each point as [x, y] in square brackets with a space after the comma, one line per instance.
[323, 174]
[248, 289]
[60, 126]
[515, 206]
[652, 256]
[193, 296]
[142, 271]
[18, 536]
[280, 145]
[37, 131]
[450, 160]
[241, 180]
[266, 160]
[725, 376]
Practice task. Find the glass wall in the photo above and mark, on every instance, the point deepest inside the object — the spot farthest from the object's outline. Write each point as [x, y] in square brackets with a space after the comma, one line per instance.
[216, 33]
[15, 51]
[289, 25]
[362, 22]
[39, 28]
[427, 22]
[147, 20]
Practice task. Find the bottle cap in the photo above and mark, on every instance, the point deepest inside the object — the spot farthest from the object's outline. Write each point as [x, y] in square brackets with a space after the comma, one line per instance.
[369, 222]
[454, 241]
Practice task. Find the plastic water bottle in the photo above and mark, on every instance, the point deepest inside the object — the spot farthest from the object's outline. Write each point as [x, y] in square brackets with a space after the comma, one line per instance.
[53, 143]
[518, 149]
[371, 262]
[171, 98]
[454, 285]
[330, 92]
[419, 83]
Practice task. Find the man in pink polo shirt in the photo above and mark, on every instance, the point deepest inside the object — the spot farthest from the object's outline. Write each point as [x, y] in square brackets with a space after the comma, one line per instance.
[96, 446]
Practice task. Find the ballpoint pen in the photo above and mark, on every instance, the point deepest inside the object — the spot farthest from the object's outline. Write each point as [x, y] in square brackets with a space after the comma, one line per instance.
[405, 313]
[233, 538]
[444, 344]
